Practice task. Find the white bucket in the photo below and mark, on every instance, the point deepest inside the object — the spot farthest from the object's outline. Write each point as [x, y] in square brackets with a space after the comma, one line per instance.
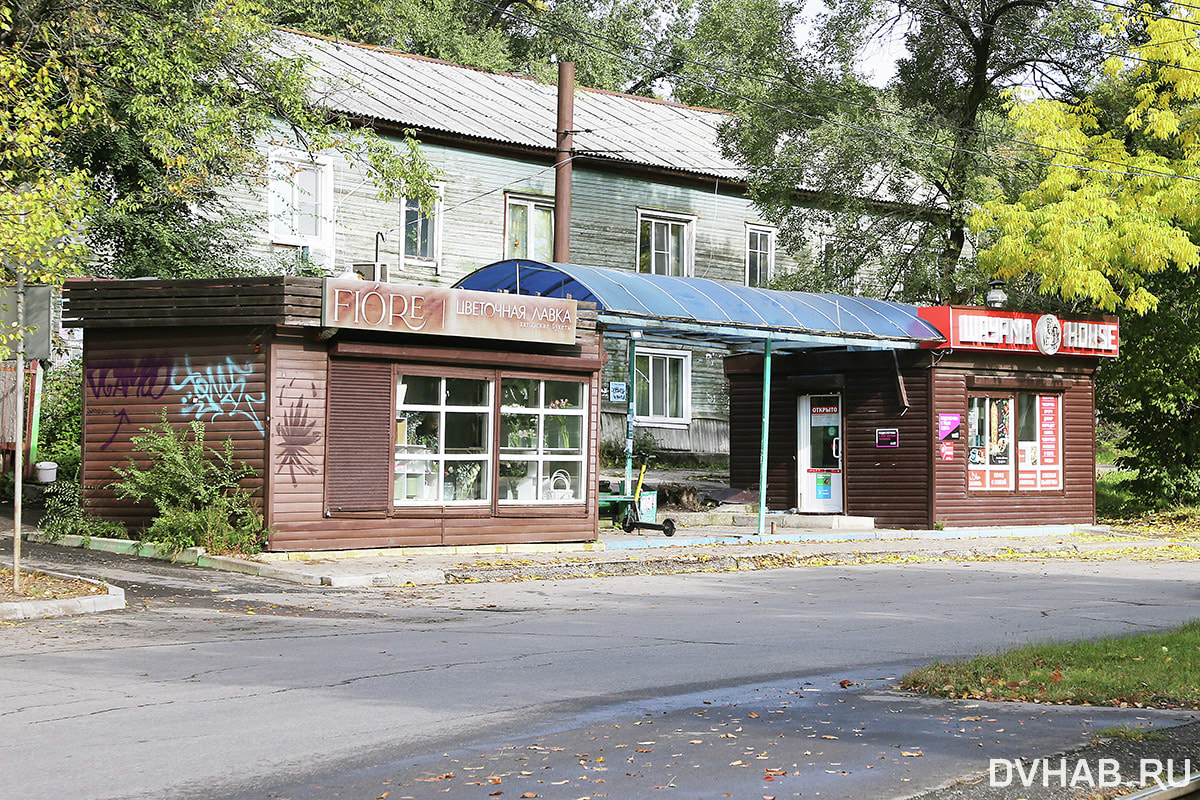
[47, 471]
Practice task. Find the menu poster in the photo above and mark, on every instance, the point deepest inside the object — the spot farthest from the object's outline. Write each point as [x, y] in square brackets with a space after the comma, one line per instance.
[1048, 428]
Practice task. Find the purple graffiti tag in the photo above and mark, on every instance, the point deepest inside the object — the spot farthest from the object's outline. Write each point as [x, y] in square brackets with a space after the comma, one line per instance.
[217, 390]
[145, 377]
[296, 432]
[122, 417]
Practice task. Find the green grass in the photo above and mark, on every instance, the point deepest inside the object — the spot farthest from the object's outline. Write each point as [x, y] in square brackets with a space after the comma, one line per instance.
[1130, 733]
[1160, 670]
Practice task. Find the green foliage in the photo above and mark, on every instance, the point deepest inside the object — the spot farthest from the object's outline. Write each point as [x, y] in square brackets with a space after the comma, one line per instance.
[61, 424]
[1151, 391]
[612, 451]
[1120, 205]
[65, 514]
[872, 181]
[196, 491]
[120, 120]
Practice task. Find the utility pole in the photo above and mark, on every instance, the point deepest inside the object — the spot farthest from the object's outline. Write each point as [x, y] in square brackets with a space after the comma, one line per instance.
[562, 165]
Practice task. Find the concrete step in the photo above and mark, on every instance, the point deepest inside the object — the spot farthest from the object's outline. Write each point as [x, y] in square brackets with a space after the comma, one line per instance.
[810, 521]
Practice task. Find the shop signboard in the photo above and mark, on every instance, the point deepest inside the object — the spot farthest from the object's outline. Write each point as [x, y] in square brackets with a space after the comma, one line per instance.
[973, 328]
[434, 311]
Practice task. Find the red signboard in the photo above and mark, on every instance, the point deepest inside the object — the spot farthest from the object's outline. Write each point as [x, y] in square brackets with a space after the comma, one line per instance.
[973, 328]
[429, 310]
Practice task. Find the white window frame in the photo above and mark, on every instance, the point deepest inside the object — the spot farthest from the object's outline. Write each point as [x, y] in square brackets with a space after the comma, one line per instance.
[321, 245]
[670, 218]
[438, 461]
[545, 481]
[435, 218]
[530, 202]
[756, 228]
[686, 390]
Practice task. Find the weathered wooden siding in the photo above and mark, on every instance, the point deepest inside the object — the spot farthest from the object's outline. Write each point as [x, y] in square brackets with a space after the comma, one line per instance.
[1076, 503]
[298, 431]
[707, 436]
[132, 375]
[886, 484]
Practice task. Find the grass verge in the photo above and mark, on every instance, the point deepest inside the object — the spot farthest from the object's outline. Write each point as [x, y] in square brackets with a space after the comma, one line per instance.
[37, 586]
[1157, 670]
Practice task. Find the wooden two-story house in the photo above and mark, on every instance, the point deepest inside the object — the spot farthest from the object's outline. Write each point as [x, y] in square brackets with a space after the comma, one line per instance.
[651, 191]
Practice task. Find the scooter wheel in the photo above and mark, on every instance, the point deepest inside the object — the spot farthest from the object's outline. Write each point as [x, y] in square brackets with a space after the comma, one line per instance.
[629, 522]
[668, 527]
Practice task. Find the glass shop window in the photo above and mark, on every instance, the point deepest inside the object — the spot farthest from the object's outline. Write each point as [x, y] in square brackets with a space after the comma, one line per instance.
[543, 441]
[1014, 442]
[443, 440]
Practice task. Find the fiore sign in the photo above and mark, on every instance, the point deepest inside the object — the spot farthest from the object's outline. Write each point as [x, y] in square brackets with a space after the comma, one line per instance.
[1015, 331]
[432, 311]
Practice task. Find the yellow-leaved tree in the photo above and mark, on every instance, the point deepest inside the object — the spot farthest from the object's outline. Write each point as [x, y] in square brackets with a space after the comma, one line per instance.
[1114, 225]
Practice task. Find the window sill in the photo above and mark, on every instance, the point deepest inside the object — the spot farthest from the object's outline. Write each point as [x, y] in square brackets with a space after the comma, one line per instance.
[672, 424]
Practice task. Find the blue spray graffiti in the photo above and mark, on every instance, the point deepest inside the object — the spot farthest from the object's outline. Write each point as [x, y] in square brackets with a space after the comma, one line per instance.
[217, 391]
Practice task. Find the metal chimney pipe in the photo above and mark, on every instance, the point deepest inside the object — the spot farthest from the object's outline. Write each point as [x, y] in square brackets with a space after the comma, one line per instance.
[562, 163]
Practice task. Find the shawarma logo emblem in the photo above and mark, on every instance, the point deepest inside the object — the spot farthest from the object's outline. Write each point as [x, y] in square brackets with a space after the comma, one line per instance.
[1048, 334]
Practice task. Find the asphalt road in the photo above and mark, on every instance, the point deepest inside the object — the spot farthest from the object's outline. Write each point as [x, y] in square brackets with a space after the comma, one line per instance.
[214, 686]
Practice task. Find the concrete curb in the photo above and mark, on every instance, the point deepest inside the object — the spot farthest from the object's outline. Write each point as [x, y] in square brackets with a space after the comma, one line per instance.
[585, 567]
[114, 600]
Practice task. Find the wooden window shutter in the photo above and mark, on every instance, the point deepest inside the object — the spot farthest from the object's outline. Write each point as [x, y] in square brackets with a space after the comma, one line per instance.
[359, 462]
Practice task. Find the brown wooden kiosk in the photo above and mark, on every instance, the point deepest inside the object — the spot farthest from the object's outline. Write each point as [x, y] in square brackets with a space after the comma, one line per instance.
[994, 426]
[376, 415]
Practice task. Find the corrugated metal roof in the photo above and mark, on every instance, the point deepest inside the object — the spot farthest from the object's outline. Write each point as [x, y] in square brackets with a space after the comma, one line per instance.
[700, 308]
[432, 95]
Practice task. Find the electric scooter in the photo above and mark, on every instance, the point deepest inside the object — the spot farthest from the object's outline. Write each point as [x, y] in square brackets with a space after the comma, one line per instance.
[632, 518]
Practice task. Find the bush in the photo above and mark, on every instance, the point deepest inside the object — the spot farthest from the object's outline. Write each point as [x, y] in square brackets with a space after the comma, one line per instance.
[65, 515]
[60, 424]
[196, 491]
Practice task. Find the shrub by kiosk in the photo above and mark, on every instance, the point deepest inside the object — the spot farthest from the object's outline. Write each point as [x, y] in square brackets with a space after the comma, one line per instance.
[374, 415]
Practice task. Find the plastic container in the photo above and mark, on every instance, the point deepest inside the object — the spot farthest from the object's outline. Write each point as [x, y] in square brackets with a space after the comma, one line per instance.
[46, 471]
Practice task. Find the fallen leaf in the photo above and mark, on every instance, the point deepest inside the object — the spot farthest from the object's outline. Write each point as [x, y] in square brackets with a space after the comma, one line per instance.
[441, 777]
[827, 736]
[911, 753]
[383, 796]
[530, 794]
[752, 715]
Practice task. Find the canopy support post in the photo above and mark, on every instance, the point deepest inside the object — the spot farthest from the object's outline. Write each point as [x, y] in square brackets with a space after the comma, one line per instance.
[762, 453]
[629, 414]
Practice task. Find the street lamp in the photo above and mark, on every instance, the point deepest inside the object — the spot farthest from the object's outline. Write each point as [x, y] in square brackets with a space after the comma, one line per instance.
[996, 296]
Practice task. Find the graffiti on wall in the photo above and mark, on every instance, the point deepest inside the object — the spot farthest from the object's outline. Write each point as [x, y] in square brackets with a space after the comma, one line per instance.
[209, 392]
[217, 390]
[297, 430]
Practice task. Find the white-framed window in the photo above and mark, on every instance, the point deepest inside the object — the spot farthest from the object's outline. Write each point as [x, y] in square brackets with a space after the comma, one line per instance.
[665, 243]
[760, 255]
[529, 228]
[300, 204]
[443, 440]
[543, 441]
[1014, 442]
[421, 233]
[662, 387]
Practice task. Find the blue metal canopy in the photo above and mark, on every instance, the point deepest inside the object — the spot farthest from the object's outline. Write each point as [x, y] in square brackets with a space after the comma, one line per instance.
[701, 309]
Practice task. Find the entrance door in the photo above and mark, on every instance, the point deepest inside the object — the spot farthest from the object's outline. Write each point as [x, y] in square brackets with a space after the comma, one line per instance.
[820, 456]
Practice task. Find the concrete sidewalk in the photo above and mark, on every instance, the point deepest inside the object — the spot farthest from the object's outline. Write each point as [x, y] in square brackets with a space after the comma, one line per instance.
[698, 549]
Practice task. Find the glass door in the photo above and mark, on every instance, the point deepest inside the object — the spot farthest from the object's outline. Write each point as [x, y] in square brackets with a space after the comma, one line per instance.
[820, 454]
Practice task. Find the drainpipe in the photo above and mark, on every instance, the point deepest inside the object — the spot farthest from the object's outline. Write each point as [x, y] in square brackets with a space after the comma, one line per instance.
[562, 164]
[762, 453]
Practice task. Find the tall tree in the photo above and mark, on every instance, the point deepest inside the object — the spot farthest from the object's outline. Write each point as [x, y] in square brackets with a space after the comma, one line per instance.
[120, 119]
[1115, 224]
[622, 45]
[898, 169]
